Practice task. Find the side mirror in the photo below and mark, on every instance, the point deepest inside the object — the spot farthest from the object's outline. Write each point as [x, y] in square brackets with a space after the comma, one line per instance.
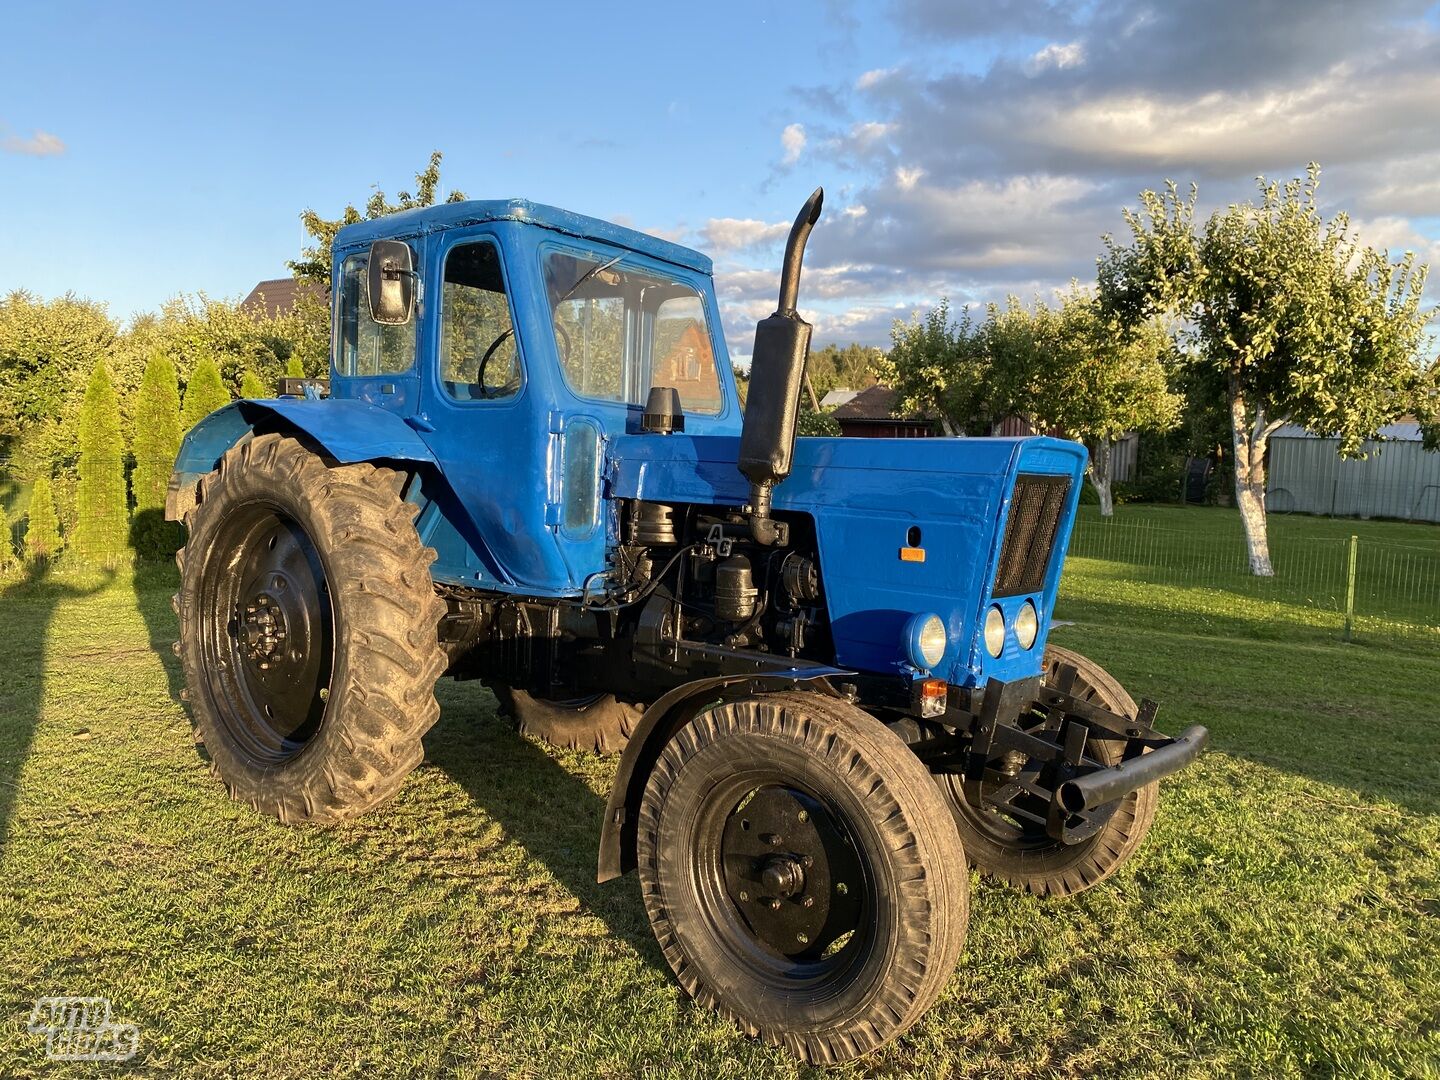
[391, 282]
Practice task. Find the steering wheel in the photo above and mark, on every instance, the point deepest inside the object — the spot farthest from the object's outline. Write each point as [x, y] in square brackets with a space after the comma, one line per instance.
[505, 336]
[563, 340]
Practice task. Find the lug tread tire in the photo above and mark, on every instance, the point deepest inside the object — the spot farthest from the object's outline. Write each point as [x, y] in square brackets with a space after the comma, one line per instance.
[1066, 870]
[931, 877]
[386, 648]
[603, 726]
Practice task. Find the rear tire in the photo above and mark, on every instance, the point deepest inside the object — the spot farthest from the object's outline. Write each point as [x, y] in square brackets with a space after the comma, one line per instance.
[600, 722]
[308, 630]
[738, 801]
[1030, 859]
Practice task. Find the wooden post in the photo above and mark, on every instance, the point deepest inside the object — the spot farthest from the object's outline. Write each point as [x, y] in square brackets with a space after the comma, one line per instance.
[1350, 589]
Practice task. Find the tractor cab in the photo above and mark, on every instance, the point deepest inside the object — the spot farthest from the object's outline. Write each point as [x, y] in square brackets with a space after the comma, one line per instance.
[523, 340]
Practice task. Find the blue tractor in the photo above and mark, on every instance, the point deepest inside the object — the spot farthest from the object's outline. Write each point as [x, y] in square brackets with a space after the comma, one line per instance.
[824, 659]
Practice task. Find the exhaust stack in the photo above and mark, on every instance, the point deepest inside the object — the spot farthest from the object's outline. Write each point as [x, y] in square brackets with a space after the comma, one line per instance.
[777, 367]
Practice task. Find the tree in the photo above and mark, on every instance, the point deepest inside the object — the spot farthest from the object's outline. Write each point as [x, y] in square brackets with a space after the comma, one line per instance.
[204, 393]
[851, 367]
[155, 443]
[1307, 325]
[294, 369]
[42, 529]
[1071, 367]
[252, 387]
[103, 524]
[314, 262]
[936, 366]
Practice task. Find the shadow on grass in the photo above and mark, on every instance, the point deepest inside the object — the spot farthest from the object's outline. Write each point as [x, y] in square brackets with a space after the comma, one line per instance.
[27, 609]
[155, 583]
[539, 803]
[1359, 716]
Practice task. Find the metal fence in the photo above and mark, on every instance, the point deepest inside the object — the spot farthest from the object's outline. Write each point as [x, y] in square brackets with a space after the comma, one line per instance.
[1357, 585]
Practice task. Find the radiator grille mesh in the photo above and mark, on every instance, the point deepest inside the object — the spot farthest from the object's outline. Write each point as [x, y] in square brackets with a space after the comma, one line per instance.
[1030, 533]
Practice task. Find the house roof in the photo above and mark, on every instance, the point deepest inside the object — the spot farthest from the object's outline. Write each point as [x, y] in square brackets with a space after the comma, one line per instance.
[428, 219]
[834, 398]
[875, 403]
[277, 296]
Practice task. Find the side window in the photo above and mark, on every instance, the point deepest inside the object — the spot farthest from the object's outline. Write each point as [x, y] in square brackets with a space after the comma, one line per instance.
[478, 357]
[365, 346]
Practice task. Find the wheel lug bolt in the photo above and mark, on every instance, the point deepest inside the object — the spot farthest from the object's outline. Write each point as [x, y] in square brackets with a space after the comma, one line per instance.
[773, 839]
[804, 815]
[744, 897]
[774, 905]
[804, 939]
[807, 861]
[809, 901]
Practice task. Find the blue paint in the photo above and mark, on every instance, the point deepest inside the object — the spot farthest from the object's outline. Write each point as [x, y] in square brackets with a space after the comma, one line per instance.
[498, 481]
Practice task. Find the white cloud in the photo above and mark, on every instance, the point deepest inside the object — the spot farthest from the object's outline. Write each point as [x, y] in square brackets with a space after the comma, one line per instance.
[1055, 55]
[792, 139]
[736, 234]
[873, 78]
[906, 177]
[39, 144]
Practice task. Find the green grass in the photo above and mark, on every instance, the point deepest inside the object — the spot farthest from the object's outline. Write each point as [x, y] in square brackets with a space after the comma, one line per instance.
[1283, 919]
[1397, 578]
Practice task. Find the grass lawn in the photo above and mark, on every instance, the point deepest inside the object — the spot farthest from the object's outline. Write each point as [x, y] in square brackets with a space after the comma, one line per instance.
[1283, 919]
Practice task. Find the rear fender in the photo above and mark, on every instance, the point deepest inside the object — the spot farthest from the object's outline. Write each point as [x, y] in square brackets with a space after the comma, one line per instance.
[663, 719]
[347, 430]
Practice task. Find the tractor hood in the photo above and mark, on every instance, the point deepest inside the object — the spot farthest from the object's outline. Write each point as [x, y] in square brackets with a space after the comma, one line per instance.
[867, 498]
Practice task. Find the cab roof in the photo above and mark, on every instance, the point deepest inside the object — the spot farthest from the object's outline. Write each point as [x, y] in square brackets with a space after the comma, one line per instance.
[451, 215]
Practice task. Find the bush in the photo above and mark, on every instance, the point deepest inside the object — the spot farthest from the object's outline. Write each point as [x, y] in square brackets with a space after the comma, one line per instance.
[42, 528]
[103, 518]
[817, 423]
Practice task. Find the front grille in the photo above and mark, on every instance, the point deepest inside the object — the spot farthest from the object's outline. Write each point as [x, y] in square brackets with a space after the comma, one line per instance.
[1030, 532]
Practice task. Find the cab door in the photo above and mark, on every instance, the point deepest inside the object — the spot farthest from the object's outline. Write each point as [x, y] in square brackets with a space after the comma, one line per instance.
[481, 416]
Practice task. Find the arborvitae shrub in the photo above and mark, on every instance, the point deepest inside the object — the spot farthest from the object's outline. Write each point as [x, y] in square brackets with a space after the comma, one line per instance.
[102, 528]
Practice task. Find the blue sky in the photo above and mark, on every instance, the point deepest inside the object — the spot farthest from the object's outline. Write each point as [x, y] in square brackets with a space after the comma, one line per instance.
[967, 149]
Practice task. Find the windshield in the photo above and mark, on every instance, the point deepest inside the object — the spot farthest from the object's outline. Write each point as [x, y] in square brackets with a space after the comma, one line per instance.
[619, 331]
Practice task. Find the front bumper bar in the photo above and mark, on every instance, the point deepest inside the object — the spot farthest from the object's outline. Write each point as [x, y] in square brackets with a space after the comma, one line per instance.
[1106, 785]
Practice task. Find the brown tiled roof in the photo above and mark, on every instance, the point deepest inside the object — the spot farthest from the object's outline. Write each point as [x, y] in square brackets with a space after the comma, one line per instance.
[873, 403]
[277, 296]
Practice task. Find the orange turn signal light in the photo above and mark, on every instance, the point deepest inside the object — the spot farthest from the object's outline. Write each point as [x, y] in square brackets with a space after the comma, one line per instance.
[932, 697]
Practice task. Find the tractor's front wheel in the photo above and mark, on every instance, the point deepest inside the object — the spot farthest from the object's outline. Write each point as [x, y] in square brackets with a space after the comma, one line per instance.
[802, 873]
[1019, 850]
[308, 630]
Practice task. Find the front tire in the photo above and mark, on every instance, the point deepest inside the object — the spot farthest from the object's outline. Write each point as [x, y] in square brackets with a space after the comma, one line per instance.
[802, 873]
[1021, 852]
[308, 630]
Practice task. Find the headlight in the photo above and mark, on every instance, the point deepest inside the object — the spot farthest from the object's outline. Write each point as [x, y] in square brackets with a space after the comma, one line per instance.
[1027, 625]
[925, 641]
[994, 631]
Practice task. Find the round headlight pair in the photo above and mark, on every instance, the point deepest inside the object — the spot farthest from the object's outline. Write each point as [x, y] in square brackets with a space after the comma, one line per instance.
[925, 641]
[1027, 628]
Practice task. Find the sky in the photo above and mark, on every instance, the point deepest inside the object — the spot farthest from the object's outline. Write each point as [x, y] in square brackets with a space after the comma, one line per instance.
[967, 149]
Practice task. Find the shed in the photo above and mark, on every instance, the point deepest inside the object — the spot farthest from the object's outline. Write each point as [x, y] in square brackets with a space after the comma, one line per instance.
[870, 414]
[1398, 477]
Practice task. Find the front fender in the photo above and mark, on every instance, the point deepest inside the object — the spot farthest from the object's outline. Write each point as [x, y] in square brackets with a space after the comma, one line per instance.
[661, 720]
[346, 429]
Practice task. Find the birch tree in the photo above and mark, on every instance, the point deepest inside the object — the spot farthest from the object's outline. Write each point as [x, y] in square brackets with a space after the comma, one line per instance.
[1306, 324]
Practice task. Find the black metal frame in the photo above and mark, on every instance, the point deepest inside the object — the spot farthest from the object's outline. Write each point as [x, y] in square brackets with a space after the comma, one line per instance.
[982, 727]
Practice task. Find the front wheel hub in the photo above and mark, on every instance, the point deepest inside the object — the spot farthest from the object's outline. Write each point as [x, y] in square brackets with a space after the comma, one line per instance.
[264, 630]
